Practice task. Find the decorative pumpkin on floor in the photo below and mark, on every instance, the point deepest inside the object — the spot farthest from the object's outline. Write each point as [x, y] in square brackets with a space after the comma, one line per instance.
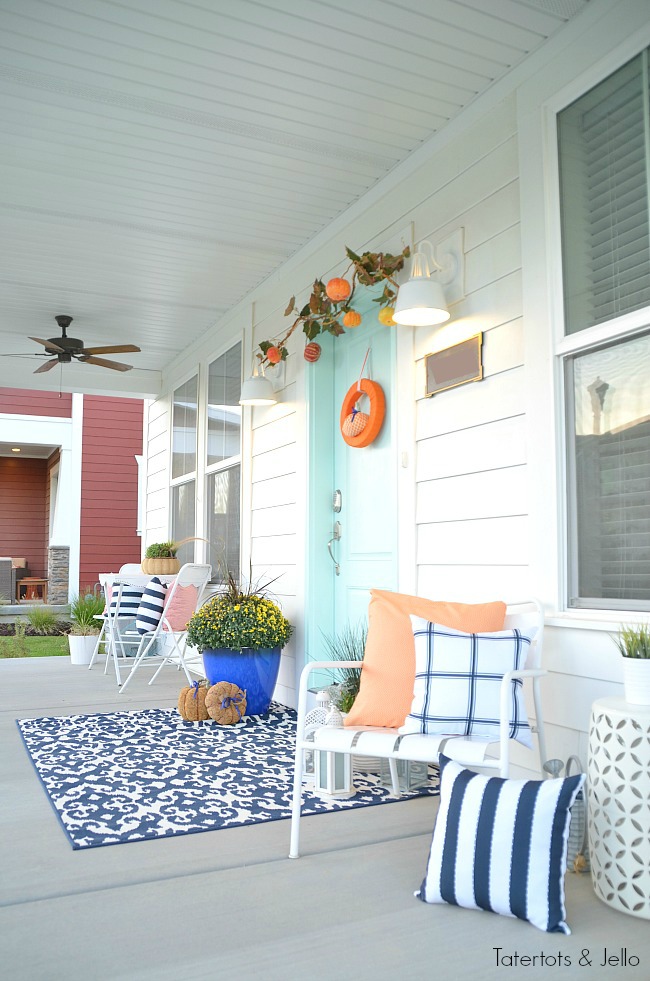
[191, 702]
[226, 703]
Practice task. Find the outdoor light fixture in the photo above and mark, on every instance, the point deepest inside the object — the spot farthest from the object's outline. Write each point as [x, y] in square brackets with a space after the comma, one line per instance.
[15, 449]
[421, 300]
[257, 390]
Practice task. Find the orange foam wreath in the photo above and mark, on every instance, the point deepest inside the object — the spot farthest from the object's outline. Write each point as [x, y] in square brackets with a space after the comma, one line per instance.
[372, 428]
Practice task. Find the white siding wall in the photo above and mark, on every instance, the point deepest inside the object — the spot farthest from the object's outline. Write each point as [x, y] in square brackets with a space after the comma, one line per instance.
[481, 523]
[276, 538]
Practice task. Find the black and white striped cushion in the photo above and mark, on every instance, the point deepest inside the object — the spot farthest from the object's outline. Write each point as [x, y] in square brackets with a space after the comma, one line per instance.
[501, 845]
[151, 606]
[458, 682]
[129, 600]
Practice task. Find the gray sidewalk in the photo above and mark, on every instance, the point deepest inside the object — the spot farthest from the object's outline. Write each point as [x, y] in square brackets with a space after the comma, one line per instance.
[230, 903]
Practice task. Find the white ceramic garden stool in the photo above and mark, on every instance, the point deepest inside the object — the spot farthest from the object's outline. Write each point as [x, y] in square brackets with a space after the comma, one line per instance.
[618, 793]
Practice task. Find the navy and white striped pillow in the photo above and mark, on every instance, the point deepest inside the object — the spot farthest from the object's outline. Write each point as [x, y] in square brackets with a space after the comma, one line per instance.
[458, 682]
[501, 845]
[129, 600]
[151, 606]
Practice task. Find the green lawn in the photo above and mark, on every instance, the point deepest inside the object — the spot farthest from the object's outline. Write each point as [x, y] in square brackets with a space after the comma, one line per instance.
[33, 647]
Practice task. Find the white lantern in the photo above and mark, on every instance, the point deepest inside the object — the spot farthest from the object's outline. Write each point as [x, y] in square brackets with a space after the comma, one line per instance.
[314, 719]
[333, 774]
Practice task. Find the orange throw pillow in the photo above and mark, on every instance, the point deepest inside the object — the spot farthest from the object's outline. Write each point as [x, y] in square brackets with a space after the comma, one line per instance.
[388, 673]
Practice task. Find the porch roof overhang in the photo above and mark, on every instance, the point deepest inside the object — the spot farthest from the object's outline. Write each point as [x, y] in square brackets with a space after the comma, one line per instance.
[160, 163]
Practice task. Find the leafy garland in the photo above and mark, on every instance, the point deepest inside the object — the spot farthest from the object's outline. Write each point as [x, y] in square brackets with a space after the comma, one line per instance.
[323, 314]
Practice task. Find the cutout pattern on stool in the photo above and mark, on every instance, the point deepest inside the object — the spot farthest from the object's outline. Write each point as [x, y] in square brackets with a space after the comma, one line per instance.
[619, 809]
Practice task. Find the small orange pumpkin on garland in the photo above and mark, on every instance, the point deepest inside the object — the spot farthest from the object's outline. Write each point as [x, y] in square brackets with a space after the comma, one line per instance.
[352, 319]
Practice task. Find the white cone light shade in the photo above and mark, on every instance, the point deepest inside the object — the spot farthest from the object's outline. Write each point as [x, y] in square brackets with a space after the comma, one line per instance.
[257, 390]
[421, 301]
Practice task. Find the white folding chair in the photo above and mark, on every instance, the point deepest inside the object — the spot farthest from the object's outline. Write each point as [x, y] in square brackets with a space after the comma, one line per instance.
[119, 613]
[172, 627]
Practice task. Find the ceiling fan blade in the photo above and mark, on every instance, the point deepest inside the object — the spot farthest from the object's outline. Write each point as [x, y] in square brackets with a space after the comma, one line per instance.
[103, 363]
[46, 366]
[48, 344]
[113, 349]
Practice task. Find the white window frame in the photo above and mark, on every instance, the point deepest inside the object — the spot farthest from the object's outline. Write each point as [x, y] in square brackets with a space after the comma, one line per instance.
[540, 99]
[225, 464]
[617, 329]
[190, 475]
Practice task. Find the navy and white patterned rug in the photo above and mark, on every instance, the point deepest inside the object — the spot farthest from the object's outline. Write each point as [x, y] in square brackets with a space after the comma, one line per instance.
[127, 776]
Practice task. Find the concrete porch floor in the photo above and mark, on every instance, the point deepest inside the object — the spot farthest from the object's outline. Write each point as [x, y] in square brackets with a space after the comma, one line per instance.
[230, 904]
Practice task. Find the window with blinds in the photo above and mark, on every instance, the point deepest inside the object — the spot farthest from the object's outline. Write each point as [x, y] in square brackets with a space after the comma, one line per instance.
[609, 465]
[184, 428]
[604, 157]
[604, 143]
[183, 490]
[223, 463]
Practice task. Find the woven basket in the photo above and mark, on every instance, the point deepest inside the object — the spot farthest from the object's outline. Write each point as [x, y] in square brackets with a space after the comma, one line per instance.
[577, 856]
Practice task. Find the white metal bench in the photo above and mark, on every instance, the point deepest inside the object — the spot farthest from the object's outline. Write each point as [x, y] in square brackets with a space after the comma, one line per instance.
[390, 744]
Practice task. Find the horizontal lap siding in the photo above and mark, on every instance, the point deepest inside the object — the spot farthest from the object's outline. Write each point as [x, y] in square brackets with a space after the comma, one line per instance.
[112, 438]
[23, 512]
[16, 401]
[274, 514]
[471, 499]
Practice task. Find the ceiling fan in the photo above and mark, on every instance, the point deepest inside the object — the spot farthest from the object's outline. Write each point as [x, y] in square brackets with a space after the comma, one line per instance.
[66, 348]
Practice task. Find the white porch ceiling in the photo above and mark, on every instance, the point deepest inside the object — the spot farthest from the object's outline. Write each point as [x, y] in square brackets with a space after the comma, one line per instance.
[159, 160]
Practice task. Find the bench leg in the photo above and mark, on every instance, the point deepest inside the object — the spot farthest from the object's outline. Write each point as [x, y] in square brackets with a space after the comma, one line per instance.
[296, 804]
[394, 776]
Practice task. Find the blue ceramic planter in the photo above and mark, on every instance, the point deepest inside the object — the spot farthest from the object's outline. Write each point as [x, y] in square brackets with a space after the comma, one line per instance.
[254, 671]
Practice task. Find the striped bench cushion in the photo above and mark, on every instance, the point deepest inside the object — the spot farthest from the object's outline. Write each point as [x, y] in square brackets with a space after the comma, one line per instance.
[501, 845]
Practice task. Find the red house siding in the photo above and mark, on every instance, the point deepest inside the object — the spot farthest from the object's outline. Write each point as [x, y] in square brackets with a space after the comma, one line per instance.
[23, 513]
[23, 402]
[112, 438]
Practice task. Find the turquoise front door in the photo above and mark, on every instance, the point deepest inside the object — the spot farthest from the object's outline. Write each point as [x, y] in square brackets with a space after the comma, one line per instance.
[352, 533]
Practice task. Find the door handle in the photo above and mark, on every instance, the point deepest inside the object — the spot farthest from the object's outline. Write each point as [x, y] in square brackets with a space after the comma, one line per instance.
[336, 536]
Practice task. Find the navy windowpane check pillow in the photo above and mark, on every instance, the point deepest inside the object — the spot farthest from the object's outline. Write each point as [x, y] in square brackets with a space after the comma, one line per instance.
[129, 600]
[501, 845]
[458, 682]
[151, 606]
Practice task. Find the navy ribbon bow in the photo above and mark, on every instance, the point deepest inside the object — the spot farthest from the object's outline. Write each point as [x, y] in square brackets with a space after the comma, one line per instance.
[233, 700]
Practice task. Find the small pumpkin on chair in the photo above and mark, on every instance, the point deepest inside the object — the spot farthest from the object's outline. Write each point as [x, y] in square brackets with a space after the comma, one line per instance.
[191, 702]
[226, 703]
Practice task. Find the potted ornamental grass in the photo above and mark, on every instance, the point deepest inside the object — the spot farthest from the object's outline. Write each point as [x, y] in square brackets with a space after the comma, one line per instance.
[240, 633]
[84, 627]
[634, 645]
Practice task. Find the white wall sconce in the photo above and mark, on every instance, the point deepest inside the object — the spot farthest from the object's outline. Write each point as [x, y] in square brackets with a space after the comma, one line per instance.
[258, 389]
[421, 301]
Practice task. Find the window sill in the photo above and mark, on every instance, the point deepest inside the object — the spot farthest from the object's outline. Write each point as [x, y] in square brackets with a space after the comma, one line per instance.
[593, 619]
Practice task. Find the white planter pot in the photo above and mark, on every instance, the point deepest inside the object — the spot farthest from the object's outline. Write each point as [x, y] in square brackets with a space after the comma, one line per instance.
[636, 680]
[81, 648]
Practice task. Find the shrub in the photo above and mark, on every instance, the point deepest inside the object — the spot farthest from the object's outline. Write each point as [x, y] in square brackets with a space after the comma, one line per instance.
[15, 646]
[43, 620]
